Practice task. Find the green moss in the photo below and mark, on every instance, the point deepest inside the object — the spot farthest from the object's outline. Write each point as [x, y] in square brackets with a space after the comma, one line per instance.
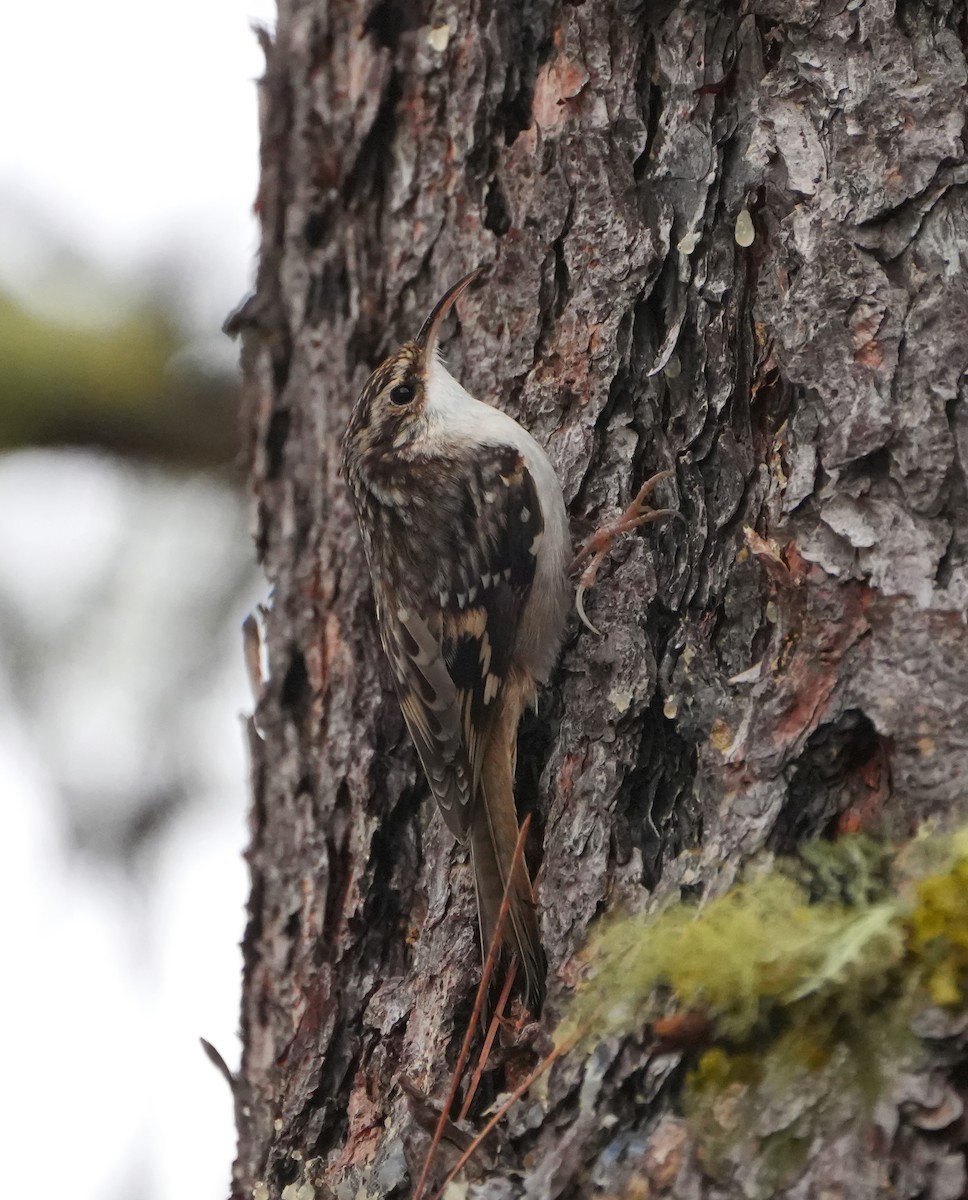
[809, 972]
[854, 870]
[759, 948]
[939, 933]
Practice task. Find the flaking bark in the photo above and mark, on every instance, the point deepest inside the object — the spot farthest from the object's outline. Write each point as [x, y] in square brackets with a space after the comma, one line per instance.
[750, 690]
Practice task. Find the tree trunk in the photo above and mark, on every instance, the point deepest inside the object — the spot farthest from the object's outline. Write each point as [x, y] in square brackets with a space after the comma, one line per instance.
[725, 240]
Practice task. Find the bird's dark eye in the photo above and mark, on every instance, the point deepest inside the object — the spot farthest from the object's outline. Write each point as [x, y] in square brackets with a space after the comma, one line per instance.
[401, 394]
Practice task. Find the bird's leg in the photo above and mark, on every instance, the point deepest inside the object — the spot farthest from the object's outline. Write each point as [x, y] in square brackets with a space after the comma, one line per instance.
[598, 547]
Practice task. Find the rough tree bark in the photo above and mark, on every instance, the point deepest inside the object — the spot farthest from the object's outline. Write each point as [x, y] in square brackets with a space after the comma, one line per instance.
[728, 238]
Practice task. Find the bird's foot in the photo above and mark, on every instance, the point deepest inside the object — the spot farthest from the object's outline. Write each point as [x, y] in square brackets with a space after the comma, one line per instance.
[598, 547]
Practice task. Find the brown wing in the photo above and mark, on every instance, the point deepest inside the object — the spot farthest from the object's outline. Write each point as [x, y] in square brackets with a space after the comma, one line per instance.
[431, 707]
[451, 642]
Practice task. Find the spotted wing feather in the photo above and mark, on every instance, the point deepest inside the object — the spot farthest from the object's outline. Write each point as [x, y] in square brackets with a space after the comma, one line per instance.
[431, 708]
[450, 645]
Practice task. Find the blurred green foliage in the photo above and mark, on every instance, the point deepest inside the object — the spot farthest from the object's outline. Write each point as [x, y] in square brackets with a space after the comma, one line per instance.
[127, 387]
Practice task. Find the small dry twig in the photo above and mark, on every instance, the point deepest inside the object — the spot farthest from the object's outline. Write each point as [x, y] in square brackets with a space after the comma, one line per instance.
[516, 1095]
[491, 961]
[489, 1040]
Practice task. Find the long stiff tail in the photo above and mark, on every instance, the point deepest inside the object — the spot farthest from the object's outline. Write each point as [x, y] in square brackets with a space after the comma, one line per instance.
[493, 836]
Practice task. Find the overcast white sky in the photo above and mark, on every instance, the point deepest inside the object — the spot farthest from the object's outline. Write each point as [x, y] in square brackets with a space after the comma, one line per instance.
[131, 130]
[130, 134]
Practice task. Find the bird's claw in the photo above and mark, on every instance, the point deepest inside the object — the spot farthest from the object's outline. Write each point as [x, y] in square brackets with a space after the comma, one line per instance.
[580, 605]
[599, 545]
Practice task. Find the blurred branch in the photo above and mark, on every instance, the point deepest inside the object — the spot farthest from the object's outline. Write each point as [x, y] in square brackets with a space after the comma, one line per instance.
[119, 386]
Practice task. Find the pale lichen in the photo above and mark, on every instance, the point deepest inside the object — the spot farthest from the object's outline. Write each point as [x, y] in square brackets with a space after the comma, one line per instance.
[808, 973]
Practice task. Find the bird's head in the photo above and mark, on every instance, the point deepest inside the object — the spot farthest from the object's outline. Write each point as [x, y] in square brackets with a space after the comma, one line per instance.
[391, 408]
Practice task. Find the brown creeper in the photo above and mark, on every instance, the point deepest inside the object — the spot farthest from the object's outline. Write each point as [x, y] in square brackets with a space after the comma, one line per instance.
[467, 542]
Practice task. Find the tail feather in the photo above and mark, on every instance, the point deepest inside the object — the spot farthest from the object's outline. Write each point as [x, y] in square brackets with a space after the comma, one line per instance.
[493, 837]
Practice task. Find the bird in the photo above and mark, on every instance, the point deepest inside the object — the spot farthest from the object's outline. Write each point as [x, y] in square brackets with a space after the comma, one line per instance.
[466, 538]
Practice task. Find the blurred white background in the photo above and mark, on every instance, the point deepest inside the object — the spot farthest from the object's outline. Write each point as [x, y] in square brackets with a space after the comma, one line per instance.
[128, 168]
